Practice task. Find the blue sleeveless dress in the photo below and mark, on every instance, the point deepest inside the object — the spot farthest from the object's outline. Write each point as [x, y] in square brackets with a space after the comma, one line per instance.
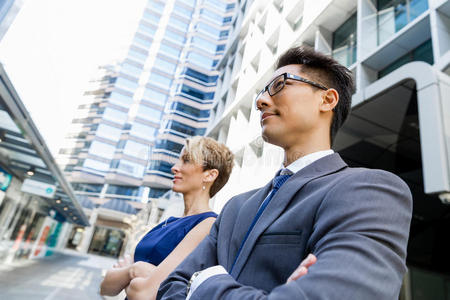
[159, 242]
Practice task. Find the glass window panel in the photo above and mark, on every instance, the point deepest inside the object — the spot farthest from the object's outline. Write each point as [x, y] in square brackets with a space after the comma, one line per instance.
[131, 168]
[205, 28]
[101, 149]
[96, 165]
[175, 36]
[108, 132]
[165, 66]
[143, 131]
[115, 115]
[182, 11]
[188, 2]
[169, 50]
[178, 23]
[136, 149]
[141, 41]
[151, 17]
[131, 69]
[157, 6]
[204, 44]
[417, 7]
[137, 56]
[120, 99]
[127, 84]
[344, 42]
[200, 60]
[147, 29]
[148, 113]
[155, 96]
[215, 18]
[159, 80]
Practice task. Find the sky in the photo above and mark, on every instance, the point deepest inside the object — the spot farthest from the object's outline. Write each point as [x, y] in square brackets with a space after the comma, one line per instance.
[54, 47]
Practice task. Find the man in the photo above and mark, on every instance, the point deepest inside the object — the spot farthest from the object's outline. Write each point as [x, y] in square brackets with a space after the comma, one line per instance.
[354, 220]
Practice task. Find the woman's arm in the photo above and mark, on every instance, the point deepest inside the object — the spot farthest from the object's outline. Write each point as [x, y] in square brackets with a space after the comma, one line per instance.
[146, 288]
[118, 278]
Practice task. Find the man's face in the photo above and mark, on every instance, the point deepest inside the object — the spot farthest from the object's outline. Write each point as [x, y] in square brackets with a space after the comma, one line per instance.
[291, 115]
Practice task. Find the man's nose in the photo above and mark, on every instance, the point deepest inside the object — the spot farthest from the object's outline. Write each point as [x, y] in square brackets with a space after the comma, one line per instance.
[262, 100]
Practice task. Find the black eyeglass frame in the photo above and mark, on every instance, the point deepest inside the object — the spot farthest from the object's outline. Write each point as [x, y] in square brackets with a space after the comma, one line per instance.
[286, 76]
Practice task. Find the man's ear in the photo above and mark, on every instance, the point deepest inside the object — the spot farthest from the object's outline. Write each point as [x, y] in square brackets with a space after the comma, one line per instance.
[330, 99]
[211, 175]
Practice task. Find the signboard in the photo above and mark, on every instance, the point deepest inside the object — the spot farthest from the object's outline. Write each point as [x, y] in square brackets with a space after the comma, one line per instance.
[5, 179]
[38, 188]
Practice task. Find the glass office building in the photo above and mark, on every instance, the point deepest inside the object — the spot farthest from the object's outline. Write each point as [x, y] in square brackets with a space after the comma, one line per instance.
[133, 121]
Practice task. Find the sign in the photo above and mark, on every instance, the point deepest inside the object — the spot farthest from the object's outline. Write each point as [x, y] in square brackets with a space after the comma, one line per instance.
[38, 188]
[5, 179]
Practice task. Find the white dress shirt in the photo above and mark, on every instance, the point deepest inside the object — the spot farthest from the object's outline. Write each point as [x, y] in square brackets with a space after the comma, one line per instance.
[293, 168]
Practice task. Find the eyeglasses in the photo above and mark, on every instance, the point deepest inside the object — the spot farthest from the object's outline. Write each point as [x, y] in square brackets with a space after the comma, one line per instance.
[278, 83]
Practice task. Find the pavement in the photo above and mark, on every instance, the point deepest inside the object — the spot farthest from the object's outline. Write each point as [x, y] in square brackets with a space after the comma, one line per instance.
[65, 275]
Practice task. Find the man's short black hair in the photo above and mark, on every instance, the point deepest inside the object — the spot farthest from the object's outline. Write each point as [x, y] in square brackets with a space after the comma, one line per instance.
[327, 71]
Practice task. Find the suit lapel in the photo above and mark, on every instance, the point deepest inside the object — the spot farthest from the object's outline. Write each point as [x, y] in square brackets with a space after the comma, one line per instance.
[324, 166]
[244, 219]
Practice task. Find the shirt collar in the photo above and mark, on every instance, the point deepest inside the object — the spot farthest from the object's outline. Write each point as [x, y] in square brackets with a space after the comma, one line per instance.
[303, 161]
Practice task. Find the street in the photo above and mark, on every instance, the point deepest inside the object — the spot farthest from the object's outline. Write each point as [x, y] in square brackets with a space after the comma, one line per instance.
[61, 276]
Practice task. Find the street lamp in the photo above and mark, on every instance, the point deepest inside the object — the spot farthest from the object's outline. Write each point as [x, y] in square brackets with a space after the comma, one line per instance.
[31, 171]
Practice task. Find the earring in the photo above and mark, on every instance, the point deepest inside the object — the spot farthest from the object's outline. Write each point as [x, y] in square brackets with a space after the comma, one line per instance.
[203, 187]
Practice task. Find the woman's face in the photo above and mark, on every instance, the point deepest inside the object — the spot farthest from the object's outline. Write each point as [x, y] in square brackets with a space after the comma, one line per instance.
[188, 175]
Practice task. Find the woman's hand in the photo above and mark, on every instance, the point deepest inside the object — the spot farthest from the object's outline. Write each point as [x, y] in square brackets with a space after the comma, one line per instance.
[141, 289]
[140, 269]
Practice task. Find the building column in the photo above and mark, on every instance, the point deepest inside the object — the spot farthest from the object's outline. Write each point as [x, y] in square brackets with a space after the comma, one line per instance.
[88, 232]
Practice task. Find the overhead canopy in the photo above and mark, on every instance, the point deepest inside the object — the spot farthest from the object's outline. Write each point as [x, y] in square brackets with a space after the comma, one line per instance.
[22, 150]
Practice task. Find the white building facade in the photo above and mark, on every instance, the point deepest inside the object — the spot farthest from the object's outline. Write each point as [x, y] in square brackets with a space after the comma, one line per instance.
[399, 54]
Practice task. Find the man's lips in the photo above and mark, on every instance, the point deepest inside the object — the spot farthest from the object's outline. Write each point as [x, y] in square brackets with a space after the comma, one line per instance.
[266, 115]
[176, 178]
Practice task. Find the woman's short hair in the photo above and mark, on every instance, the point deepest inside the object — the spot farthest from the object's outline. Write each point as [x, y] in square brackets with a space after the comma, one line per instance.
[211, 154]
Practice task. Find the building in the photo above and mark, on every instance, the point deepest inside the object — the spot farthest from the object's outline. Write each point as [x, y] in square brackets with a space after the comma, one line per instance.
[38, 207]
[141, 109]
[8, 11]
[399, 53]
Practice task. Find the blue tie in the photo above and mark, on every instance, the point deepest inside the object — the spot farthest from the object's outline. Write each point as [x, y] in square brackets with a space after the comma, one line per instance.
[277, 182]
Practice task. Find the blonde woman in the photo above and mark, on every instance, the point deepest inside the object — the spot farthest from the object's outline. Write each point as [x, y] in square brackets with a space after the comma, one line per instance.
[203, 168]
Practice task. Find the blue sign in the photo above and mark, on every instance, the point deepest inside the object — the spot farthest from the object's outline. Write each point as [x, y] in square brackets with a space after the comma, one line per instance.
[5, 179]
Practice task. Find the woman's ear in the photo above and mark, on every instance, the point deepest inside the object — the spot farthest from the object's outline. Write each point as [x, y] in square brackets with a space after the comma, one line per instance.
[211, 175]
[330, 99]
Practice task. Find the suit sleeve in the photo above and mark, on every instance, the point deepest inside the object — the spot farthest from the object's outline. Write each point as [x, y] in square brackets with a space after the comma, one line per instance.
[204, 256]
[360, 237]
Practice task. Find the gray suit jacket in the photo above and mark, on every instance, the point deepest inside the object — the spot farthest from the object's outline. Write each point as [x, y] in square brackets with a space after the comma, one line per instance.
[355, 220]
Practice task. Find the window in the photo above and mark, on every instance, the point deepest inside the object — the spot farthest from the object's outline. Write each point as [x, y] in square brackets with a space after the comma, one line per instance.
[137, 55]
[108, 132]
[115, 115]
[182, 11]
[151, 17]
[344, 42]
[169, 145]
[393, 15]
[182, 128]
[85, 187]
[200, 60]
[165, 66]
[196, 93]
[204, 44]
[101, 149]
[143, 131]
[175, 36]
[147, 113]
[205, 28]
[215, 18]
[156, 193]
[199, 76]
[195, 112]
[423, 52]
[177, 23]
[169, 50]
[120, 99]
[131, 168]
[136, 149]
[96, 165]
[123, 190]
[161, 166]
[127, 84]
[155, 96]
[159, 80]
[157, 6]
[149, 30]
[142, 41]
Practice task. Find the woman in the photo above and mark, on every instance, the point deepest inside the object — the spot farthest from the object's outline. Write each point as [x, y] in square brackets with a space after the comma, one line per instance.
[202, 170]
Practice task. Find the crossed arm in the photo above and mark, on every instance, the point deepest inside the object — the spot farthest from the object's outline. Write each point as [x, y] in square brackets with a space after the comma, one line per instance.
[360, 244]
[141, 280]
